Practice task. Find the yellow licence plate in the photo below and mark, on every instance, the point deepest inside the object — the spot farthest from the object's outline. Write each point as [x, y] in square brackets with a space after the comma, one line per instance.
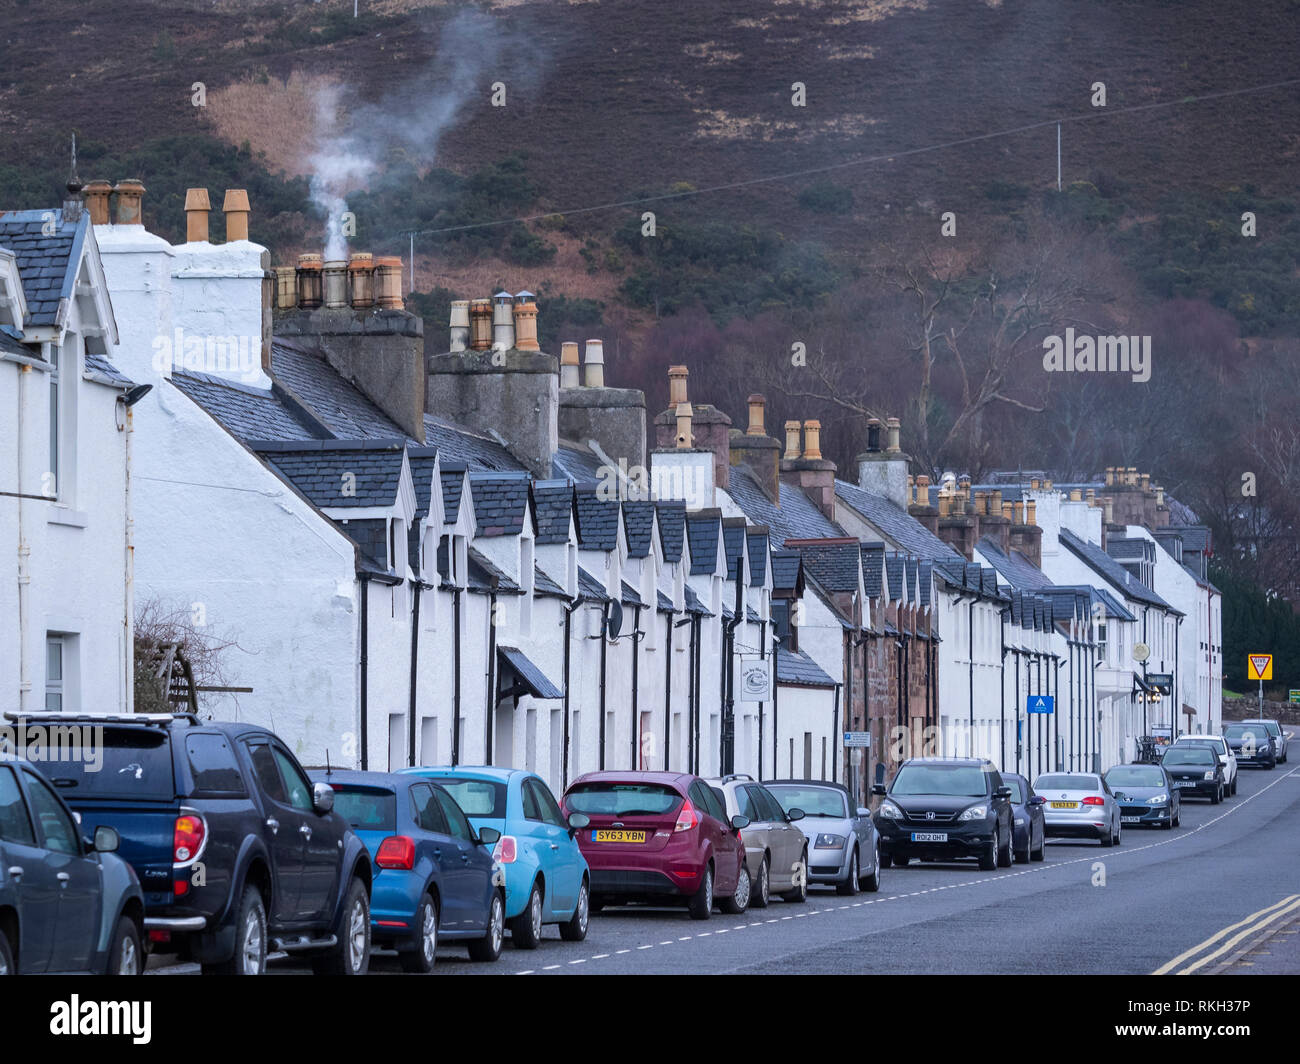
[608, 835]
[1065, 805]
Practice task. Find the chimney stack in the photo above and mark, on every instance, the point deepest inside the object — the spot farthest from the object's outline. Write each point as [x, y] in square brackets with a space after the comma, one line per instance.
[812, 439]
[594, 364]
[884, 472]
[459, 323]
[570, 367]
[757, 404]
[685, 437]
[97, 193]
[526, 322]
[235, 207]
[196, 215]
[480, 324]
[503, 321]
[757, 450]
[130, 193]
[361, 280]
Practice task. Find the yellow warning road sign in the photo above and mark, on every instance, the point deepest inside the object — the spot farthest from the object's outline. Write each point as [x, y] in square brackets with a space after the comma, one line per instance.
[1259, 666]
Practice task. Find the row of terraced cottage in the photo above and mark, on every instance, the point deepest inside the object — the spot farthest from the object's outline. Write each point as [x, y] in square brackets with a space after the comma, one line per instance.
[465, 551]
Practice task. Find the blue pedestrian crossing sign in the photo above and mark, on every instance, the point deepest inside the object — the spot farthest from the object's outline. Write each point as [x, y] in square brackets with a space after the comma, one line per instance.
[1040, 704]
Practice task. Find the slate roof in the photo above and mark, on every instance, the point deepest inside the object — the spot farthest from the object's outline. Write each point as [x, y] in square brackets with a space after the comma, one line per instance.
[1124, 548]
[478, 452]
[453, 485]
[794, 667]
[552, 510]
[46, 262]
[797, 517]
[1013, 567]
[835, 566]
[324, 470]
[422, 462]
[672, 528]
[1194, 537]
[757, 543]
[1104, 565]
[873, 568]
[638, 527]
[597, 520]
[371, 535]
[912, 567]
[702, 530]
[733, 545]
[500, 502]
[342, 408]
[1201, 580]
[665, 603]
[532, 676]
[924, 581]
[894, 574]
[577, 463]
[589, 587]
[247, 413]
[544, 585]
[785, 569]
[484, 575]
[9, 345]
[100, 369]
[630, 595]
[903, 530]
[693, 603]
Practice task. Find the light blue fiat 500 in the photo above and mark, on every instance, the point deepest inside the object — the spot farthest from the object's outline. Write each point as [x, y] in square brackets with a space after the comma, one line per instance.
[546, 877]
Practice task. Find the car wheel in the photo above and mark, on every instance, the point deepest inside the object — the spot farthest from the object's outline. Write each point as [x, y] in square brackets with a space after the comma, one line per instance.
[126, 957]
[1217, 796]
[1119, 834]
[1234, 785]
[1023, 855]
[762, 886]
[597, 903]
[350, 955]
[850, 885]
[421, 960]
[739, 901]
[902, 860]
[1107, 837]
[872, 883]
[989, 858]
[249, 957]
[575, 928]
[799, 894]
[886, 860]
[1178, 818]
[526, 928]
[488, 948]
[1037, 855]
[7, 966]
[701, 902]
[1006, 856]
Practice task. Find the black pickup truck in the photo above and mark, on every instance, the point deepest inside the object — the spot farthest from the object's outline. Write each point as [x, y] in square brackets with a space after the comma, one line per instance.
[237, 852]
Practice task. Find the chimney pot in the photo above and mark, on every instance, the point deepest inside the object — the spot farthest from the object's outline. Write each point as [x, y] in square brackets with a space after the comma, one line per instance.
[361, 280]
[873, 434]
[1090, 495]
[1109, 509]
[335, 273]
[286, 287]
[593, 365]
[459, 322]
[757, 406]
[791, 440]
[1008, 511]
[981, 503]
[480, 324]
[235, 207]
[1034, 484]
[1031, 512]
[959, 504]
[963, 484]
[1110, 475]
[525, 313]
[922, 489]
[893, 426]
[97, 193]
[995, 502]
[677, 384]
[570, 374]
[1018, 513]
[685, 437]
[1160, 495]
[1076, 495]
[130, 193]
[309, 281]
[196, 215]
[1132, 476]
[388, 282]
[812, 439]
[1146, 482]
[503, 321]
[1047, 485]
[945, 503]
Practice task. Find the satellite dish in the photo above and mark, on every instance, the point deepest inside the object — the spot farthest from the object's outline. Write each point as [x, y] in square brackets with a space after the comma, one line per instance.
[614, 624]
[1141, 652]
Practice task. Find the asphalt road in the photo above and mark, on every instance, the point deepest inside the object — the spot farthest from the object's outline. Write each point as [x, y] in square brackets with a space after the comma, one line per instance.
[1219, 894]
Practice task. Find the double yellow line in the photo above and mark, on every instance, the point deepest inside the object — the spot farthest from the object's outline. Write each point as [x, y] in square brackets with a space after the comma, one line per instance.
[1253, 924]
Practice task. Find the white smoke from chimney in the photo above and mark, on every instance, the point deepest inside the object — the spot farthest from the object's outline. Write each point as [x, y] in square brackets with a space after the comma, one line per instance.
[337, 169]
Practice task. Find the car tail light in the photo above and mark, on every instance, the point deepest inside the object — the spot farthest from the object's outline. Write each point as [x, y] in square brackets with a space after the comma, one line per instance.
[160, 936]
[506, 850]
[1094, 800]
[187, 837]
[396, 851]
[687, 818]
[180, 887]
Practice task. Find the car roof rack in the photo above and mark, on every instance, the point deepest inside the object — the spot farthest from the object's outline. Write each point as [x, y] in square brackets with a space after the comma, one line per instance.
[104, 718]
[731, 776]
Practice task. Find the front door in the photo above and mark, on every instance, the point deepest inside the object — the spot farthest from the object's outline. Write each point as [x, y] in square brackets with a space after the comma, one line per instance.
[466, 880]
[558, 853]
[25, 876]
[283, 837]
[322, 837]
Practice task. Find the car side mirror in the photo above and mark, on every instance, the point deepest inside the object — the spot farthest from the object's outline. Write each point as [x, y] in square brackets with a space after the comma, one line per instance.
[878, 788]
[863, 811]
[322, 798]
[1002, 792]
[577, 821]
[739, 821]
[795, 814]
[1038, 799]
[488, 836]
[107, 840]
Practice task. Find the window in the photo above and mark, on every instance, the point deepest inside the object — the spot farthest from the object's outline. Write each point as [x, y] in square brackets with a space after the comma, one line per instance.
[539, 804]
[294, 780]
[53, 674]
[58, 831]
[15, 824]
[268, 777]
[456, 822]
[212, 765]
[532, 811]
[366, 808]
[767, 804]
[748, 803]
[425, 809]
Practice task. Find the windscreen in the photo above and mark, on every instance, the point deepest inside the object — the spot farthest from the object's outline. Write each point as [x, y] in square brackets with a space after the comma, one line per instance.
[1135, 776]
[366, 808]
[956, 781]
[814, 801]
[1189, 755]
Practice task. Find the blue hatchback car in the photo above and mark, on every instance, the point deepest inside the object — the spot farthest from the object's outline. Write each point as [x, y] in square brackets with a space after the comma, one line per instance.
[433, 873]
[546, 876]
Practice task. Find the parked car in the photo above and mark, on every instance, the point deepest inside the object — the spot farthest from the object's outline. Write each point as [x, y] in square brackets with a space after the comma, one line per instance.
[1146, 795]
[842, 845]
[1195, 770]
[1281, 741]
[432, 876]
[1079, 805]
[1028, 824]
[1220, 746]
[237, 852]
[943, 808]
[776, 852]
[67, 903]
[659, 836]
[546, 876]
[1251, 744]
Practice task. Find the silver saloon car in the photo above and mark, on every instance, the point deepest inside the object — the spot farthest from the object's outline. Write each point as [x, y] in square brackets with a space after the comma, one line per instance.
[843, 844]
[1079, 805]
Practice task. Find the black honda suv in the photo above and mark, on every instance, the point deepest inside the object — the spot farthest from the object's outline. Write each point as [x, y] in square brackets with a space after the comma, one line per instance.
[943, 808]
[237, 852]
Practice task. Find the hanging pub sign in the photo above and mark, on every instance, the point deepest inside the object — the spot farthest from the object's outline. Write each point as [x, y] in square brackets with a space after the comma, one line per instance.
[755, 678]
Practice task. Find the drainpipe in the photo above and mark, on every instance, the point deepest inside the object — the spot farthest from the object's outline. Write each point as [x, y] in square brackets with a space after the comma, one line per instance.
[455, 700]
[1002, 695]
[835, 730]
[1019, 736]
[568, 626]
[727, 753]
[668, 687]
[24, 552]
[970, 632]
[128, 625]
[762, 652]
[489, 726]
[604, 657]
[419, 587]
[365, 665]
[695, 702]
[776, 722]
[1174, 706]
[848, 707]
[636, 661]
